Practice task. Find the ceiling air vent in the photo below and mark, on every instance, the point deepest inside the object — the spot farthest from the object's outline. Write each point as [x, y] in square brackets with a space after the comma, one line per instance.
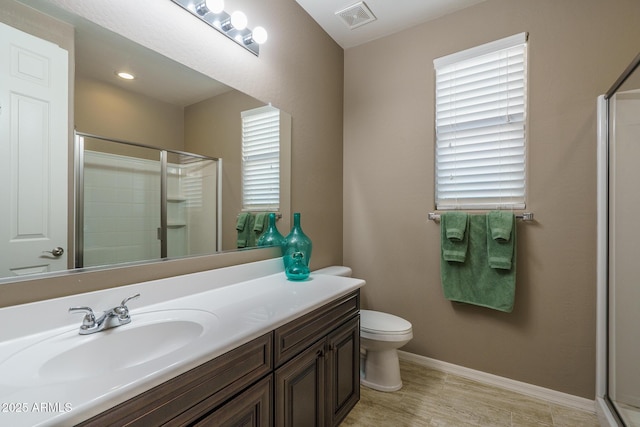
[356, 15]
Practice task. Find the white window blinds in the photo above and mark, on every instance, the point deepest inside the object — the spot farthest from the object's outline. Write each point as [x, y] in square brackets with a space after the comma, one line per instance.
[481, 98]
[261, 159]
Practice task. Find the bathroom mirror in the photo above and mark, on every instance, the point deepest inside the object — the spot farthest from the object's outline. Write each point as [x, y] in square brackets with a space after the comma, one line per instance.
[184, 110]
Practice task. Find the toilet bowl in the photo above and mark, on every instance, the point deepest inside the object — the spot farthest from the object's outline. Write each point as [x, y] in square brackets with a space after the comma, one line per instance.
[381, 335]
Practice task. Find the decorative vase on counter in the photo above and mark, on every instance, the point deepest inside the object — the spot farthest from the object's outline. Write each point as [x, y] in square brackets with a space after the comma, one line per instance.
[271, 237]
[296, 252]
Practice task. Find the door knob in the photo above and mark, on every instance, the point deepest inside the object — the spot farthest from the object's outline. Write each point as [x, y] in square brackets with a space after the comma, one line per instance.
[56, 252]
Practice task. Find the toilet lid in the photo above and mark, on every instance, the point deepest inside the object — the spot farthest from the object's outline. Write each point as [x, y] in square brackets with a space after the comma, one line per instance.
[384, 323]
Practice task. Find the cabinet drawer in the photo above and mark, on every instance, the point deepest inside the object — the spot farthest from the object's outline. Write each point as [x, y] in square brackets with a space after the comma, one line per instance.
[195, 392]
[295, 336]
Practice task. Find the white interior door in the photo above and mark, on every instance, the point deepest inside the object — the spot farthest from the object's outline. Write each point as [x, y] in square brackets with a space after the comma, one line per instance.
[34, 140]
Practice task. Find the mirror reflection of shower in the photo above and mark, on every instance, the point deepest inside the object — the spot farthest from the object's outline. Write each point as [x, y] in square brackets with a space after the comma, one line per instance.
[138, 203]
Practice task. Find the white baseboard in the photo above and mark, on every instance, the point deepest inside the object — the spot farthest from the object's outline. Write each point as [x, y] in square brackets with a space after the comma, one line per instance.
[509, 384]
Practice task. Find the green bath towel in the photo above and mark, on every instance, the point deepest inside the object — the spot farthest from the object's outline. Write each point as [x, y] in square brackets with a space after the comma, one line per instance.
[473, 281]
[454, 237]
[500, 244]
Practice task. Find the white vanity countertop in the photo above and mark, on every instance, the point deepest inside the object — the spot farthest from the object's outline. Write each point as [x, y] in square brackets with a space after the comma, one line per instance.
[241, 312]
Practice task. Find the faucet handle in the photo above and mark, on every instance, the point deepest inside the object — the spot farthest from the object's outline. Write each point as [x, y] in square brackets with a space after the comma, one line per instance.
[89, 320]
[127, 299]
[122, 310]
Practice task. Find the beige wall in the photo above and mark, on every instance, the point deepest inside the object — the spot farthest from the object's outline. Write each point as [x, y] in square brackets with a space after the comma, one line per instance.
[214, 128]
[299, 70]
[577, 48]
[107, 110]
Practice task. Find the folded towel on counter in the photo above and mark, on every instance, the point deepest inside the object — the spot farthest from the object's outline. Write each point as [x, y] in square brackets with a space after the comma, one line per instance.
[454, 238]
[473, 281]
[501, 233]
[242, 226]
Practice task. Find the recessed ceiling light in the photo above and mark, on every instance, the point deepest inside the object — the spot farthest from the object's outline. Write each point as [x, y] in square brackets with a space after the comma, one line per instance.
[125, 75]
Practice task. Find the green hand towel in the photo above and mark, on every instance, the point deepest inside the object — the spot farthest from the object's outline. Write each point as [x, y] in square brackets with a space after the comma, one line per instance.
[251, 236]
[500, 224]
[453, 236]
[259, 224]
[474, 282]
[241, 221]
[242, 226]
[500, 239]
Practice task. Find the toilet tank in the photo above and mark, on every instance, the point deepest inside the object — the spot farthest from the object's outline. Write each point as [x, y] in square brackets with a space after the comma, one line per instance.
[335, 270]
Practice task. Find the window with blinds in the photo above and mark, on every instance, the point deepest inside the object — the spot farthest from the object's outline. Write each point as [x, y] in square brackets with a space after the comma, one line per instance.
[481, 98]
[261, 159]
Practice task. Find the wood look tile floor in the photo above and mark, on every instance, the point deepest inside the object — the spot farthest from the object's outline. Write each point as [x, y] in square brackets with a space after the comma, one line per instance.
[435, 398]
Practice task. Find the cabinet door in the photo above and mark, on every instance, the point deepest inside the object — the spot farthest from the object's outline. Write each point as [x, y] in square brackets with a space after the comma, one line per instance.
[251, 408]
[300, 389]
[343, 371]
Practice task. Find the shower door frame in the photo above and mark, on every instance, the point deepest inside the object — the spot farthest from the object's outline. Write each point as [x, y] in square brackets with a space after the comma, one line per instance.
[162, 231]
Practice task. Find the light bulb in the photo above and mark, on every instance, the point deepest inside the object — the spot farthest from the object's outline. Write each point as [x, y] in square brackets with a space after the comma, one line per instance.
[125, 75]
[259, 35]
[215, 6]
[239, 20]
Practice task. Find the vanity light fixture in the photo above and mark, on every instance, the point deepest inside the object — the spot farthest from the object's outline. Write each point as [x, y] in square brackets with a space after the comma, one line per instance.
[237, 20]
[213, 6]
[234, 25]
[259, 35]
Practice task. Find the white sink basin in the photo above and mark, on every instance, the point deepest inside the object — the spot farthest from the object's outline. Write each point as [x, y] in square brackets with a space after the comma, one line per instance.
[68, 356]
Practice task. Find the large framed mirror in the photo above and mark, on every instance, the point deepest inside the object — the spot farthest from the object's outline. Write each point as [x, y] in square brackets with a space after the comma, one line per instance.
[167, 106]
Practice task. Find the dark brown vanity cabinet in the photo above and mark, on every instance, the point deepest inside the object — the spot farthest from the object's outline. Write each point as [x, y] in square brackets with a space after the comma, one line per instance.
[253, 407]
[196, 395]
[305, 373]
[317, 358]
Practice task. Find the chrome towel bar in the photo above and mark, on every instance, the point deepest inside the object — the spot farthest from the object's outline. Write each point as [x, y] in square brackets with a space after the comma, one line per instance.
[525, 216]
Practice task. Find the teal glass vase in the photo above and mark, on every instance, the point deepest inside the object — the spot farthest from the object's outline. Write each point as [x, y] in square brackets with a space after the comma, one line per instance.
[271, 237]
[296, 252]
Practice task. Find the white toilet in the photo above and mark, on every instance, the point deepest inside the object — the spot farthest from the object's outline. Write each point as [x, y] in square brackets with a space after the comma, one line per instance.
[381, 335]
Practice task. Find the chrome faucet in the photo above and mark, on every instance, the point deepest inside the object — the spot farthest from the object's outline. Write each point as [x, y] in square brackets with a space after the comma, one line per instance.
[112, 318]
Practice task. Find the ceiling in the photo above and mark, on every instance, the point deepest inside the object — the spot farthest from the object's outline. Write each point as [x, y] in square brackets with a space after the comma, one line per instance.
[100, 53]
[392, 16]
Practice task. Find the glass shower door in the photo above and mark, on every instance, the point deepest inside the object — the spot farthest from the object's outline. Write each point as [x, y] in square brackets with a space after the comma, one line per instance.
[624, 238]
[121, 206]
[139, 203]
[191, 205]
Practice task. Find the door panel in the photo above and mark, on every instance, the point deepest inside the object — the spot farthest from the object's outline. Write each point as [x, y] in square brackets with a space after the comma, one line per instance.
[33, 154]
